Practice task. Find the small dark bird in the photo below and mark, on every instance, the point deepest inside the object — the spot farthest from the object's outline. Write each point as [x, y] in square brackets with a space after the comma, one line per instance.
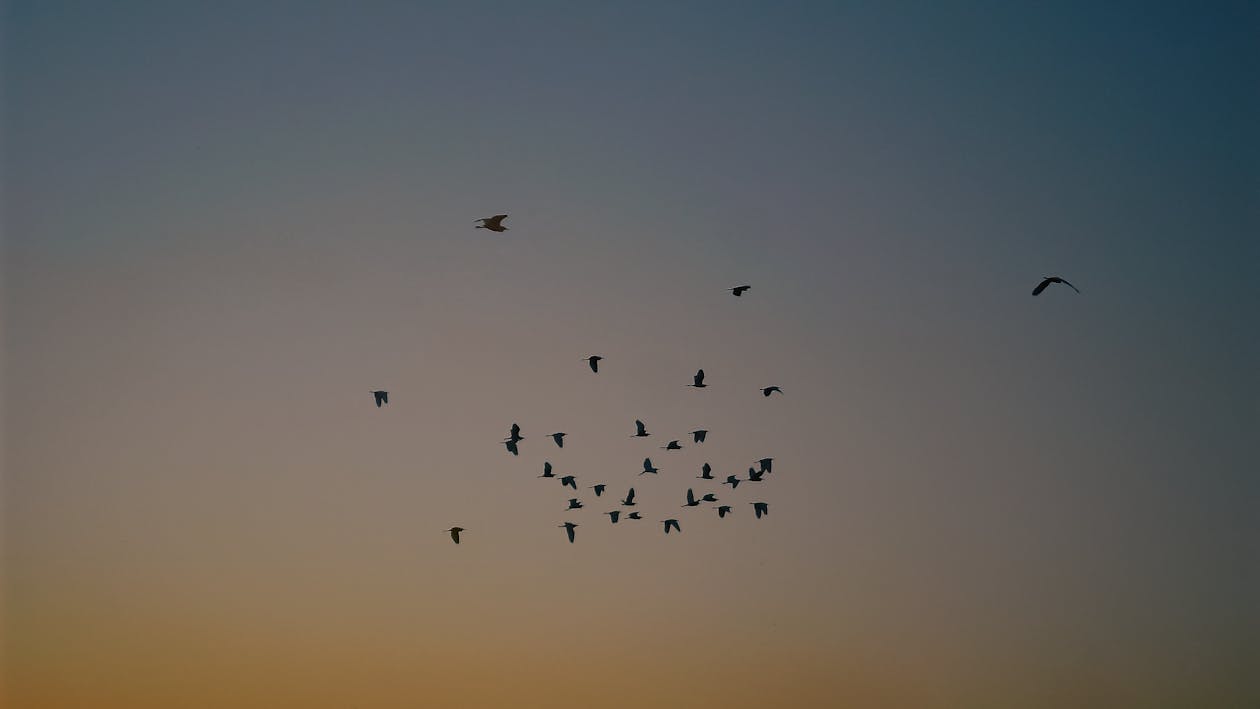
[706, 472]
[599, 489]
[1045, 283]
[754, 476]
[708, 497]
[569, 527]
[739, 290]
[614, 515]
[515, 434]
[640, 431]
[767, 391]
[513, 438]
[494, 223]
[455, 533]
[723, 510]
[629, 501]
[732, 481]
[574, 504]
[699, 380]
[671, 523]
[765, 464]
[571, 481]
[647, 467]
[559, 438]
[672, 446]
[593, 360]
[382, 397]
[547, 470]
[691, 499]
[760, 508]
[634, 515]
[697, 436]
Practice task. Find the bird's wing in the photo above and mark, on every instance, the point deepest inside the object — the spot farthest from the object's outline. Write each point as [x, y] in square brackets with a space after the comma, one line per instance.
[690, 496]
[1069, 285]
[630, 495]
[1041, 286]
[639, 427]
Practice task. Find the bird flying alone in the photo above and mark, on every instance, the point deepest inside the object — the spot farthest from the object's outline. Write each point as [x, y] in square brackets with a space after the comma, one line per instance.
[767, 391]
[698, 380]
[1045, 283]
[640, 431]
[455, 533]
[494, 223]
[738, 291]
[568, 528]
[648, 467]
[761, 508]
[594, 360]
[382, 397]
[671, 523]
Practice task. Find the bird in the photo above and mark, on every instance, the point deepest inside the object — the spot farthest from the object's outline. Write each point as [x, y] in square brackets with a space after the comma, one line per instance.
[629, 501]
[593, 360]
[547, 470]
[765, 464]
[691, 499]
[574, 504]
[754, 476]
[706, 472]
[723, 510]
[494, 223]
[569, 527]
[738, 291]
[599, 489]
[382, 397]
[708, 497]
[1045, 283]
[732, 481]
[572, 481]
[699, 380]
[760, 508]
[614, 515]
[647, 467]
[515, 434]
[455, 533]
[513, 438]
[671, 523]
[559, 438]
[634, 515]
[640, 431]
[697, 436]
[767, 391]
[511, 446]
[672, 446]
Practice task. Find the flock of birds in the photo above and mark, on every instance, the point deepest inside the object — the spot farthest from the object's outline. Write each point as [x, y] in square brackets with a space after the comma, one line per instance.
[698, 436]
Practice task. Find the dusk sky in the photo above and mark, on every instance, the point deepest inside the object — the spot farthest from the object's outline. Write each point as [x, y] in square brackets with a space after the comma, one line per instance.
[226, 223]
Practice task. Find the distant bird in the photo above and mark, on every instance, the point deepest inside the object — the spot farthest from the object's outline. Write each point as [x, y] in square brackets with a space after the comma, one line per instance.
[515, 434]
[494, 223]
[754, 476]
[629, 501]
[760, 508]
[671, 523]
[634, 515]
[599, 489]
[765, 464]
[648, 468]
[691, 499]
[640, 431]
[547, 470]
[739, 290]
[732, 481]
[723, 510]
[672, 446]
[455, 533]
[511, 446]
[382, 397]
[593, 360]
[699, 380]
[708, 497]
[706, 472]
[767, 391]
[1052, 279]
[569, 527]
[574, 504]
[513, 438]
[614, 515]
[697, 436]
[559, 438]
[571, 481]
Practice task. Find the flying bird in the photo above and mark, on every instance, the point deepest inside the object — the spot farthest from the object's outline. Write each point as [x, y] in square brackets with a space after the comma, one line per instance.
[671, 523]
[494, 223]
[767, 391]
[760, 508]
[547, 470]
[691, 499]
[723, 510]
[671, 446]
[569, 527]
[648, 468]
[706, 472]
[593, 360]
[599, 489]
[697, 436]
[634, 515]
[614, 515]
[765, 464]
[574, 504]
[513, 438]
[1045, 283]
[732, 481]
[629, 501]
[754, 476]
[699, 380]
[738, 291]
[640, 431]
[511, 446]
[559, 438]
[455, 533]
[708, 497]
[382, 397]
[571, 481]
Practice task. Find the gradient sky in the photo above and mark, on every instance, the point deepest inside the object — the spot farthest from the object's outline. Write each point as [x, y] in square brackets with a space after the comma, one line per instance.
[225, 223]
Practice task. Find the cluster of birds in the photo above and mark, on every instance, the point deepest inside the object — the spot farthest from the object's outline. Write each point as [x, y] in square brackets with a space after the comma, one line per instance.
[698, 436]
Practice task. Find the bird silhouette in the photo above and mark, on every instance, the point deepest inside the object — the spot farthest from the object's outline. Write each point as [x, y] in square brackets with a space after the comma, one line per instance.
[599, 489]
[574, 504]
[698, 435]
[672, 446]
[455, 533]
[569, 527]
[699, 380]
[767, 391]
[723, 510]
[738, 291]
[732, 481]
[708, 497]
[640, 431]
[511, 447]
[494, 223]
[754, 476]
[513, 438]
[765, 464]
[614, 515]
[691, 499]
[1045, 283]
[629, 500]
[648, 468]
[571, 481]
[547, 470]
[559, 438]
[671, 523]
[593, 360]
[381, 396]
[706, 472]
[760, 508]
[634, 515]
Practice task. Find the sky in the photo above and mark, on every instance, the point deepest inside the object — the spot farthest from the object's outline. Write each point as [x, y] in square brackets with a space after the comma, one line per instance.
[224, 224]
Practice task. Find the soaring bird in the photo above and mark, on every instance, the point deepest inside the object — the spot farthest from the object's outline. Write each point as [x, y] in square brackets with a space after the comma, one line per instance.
[574, 504]
[708, 497]
[640, 431]
[765, 464]
[455, 533]
[572, 481]
[699, 380]
[593, 360]
[569, 527]
[559, 438]
[629, 501]
[671, 523]
[767, 391]
[706, 472]
[547, 470]
[614, 515]
[494, 223]
[697, 436]
[739, 290]
[381, 396]
[754, 476]
[634, 515]
[648, 468]
[732, 481]
[760, 508]
[672, 446]
[1052, 279]
[691, 499]
[599, 489]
